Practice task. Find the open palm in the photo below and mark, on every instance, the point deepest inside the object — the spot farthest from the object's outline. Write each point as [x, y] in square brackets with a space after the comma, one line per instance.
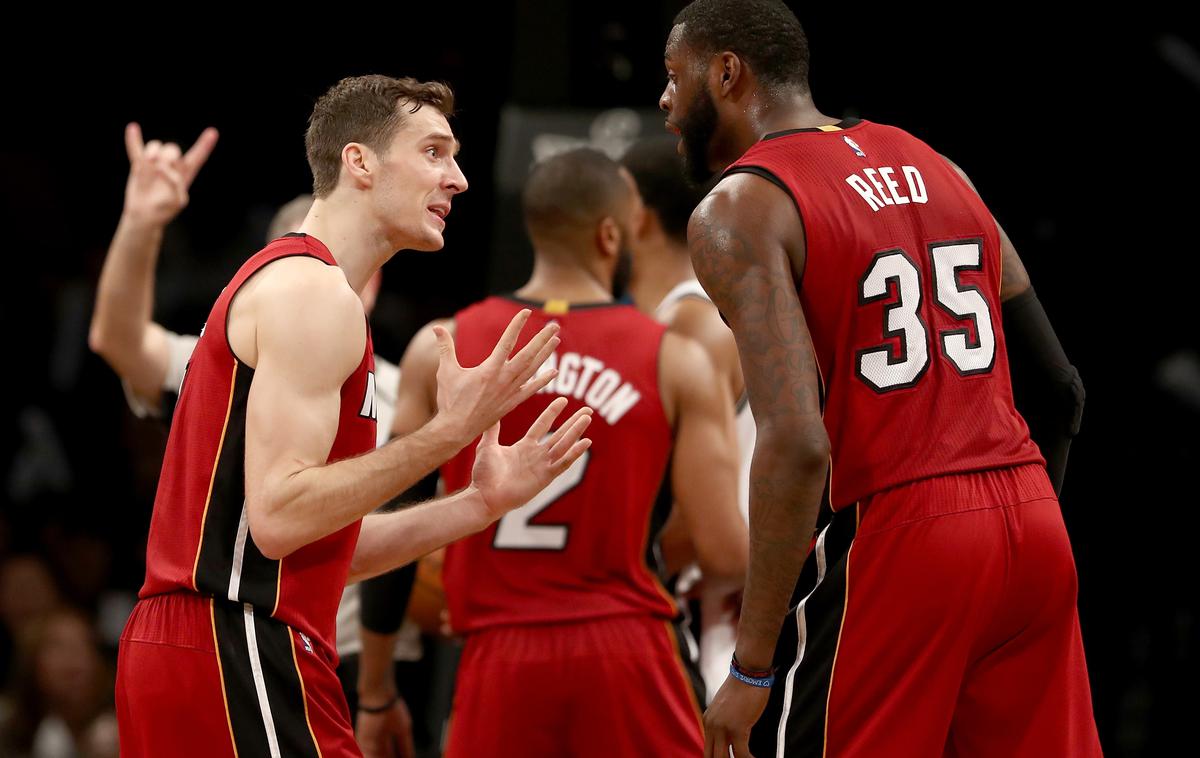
[509, 476]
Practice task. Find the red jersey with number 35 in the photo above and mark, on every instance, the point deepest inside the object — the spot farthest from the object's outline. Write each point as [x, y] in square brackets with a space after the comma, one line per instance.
[584, 547]
[901, 291]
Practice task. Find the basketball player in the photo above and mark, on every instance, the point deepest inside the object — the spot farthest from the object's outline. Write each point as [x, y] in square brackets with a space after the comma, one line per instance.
[863, 279]
[151, 359]
[268, 476]
[570, 646]
[664, 285]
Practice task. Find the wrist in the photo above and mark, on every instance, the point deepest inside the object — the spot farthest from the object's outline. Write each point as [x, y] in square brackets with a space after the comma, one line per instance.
[376, 705]
[752, 659]
[140, 222]
[376, 693]
[761, 678]
[479, 515]
[446, 433]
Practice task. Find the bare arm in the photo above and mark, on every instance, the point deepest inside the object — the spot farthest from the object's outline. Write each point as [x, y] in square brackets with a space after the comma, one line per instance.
[701, 321]
[704, 467]
[293, 497]
[416, 405]
[746, 241]
[122, 331]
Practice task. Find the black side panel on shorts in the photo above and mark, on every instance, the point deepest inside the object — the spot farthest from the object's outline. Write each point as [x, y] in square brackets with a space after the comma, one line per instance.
[823, 612]
[256, 659]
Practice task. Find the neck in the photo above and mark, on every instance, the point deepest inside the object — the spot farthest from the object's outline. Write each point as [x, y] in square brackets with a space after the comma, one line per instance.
[765, 113]
[659, 267]
[354, 238]
[553, 279]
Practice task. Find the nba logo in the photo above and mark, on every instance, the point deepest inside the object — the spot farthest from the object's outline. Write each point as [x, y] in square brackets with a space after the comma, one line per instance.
[307, 642]
[854, 146]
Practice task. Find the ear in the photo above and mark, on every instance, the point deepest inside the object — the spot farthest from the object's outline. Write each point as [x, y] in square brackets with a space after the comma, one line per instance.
[608, 237]
[648, 224]
[358, 161]
[730, 71]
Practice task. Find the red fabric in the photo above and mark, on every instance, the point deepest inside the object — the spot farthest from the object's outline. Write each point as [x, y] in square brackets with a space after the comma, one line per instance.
[948, 419]
[202, 480]
[599, 565]
[961, 620]
[611, 687]
[170, 699]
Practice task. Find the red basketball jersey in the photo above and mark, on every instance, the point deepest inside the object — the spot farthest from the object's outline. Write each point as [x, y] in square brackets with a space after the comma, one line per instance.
[199, 539]
[584, 547]
[901, 291]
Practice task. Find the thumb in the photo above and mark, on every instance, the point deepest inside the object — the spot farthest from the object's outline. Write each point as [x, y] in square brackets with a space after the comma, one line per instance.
[492, 435]
[445, 344]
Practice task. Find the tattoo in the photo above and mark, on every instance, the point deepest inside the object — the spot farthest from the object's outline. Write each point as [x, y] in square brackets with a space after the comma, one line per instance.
[750, 279]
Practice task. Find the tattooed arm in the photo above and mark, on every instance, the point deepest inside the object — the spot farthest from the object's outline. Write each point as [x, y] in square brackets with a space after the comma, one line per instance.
[747, 243]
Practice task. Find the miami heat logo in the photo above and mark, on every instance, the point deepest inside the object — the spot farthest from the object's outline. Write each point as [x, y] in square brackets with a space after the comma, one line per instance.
[369, 407]
[854, 146]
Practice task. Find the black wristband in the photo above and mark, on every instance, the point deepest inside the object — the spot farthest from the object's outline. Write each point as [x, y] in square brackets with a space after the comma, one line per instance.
[378, 708]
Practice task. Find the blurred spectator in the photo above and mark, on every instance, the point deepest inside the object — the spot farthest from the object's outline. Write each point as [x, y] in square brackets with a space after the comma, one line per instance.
[62, 705]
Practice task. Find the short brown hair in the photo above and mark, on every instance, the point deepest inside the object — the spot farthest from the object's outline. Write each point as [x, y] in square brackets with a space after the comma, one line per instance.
[363, 109]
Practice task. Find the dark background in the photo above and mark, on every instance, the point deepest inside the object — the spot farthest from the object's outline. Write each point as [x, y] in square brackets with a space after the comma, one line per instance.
[1078, 132]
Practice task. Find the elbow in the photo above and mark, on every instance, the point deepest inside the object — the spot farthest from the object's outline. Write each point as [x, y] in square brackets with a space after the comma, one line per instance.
[98, 341]
[728, 566]
[800, 448]
[268, 531]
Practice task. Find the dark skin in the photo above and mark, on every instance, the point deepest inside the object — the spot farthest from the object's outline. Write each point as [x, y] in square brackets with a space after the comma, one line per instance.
[748, 248]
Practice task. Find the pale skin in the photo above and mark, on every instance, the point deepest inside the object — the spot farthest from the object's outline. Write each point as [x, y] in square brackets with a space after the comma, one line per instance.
[698, 407]
[122, 332]
[299, 308]
[748, 247]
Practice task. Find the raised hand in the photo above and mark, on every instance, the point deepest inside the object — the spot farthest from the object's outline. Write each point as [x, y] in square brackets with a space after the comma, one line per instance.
[160, 175]
[471, 400]
[508, 477]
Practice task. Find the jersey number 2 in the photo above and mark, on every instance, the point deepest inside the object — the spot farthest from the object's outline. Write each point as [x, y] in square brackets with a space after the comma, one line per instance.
[885, 368]
[514, 532]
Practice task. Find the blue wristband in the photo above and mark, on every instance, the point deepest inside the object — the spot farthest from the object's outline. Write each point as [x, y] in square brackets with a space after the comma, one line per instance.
[765, 682]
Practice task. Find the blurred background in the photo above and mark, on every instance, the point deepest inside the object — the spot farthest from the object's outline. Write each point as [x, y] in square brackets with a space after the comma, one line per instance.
[1075, 131]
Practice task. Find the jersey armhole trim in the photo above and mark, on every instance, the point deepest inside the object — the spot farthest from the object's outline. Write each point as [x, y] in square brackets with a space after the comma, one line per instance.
[254, 273]
[770, 176]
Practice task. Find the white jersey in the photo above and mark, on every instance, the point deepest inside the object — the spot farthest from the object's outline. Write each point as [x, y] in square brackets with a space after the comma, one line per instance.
[387, 390]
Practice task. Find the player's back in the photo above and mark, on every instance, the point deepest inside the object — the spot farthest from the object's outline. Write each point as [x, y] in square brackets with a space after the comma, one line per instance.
[900, 289]
[583, 547]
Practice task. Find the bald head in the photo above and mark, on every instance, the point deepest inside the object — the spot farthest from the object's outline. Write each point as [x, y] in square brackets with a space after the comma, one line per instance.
[569, 194]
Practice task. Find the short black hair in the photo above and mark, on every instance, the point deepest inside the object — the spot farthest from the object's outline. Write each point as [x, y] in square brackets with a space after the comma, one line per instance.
[575, 188]
[765, 33]
[657, 168]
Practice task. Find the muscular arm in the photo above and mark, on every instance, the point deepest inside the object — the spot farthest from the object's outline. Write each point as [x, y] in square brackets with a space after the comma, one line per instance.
[700, 321]
[416, 405]
[303, 330]
[746, 241]
[704, 467]
[292, 496]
